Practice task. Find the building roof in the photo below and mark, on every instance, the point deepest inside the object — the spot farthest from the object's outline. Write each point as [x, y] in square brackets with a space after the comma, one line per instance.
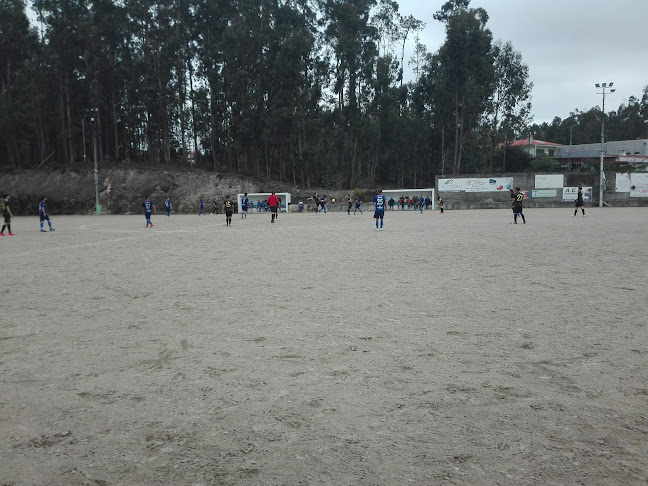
[525, 141]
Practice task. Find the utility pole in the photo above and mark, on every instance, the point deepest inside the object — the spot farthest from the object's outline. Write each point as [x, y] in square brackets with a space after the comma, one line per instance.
[603, 87]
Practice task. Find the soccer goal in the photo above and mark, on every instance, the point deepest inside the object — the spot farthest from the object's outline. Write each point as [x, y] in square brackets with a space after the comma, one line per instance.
[261, 197]
[395, 195]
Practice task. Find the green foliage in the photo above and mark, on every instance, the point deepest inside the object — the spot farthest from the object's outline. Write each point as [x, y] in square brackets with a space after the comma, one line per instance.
[307, 92]
[462, 75]
[624, 123]
[544, 163]
[363, 195]
[512, 159]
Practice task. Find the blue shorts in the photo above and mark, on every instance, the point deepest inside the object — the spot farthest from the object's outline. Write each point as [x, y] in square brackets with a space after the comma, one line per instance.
[147, 214]
[379, 214]
[43, 218]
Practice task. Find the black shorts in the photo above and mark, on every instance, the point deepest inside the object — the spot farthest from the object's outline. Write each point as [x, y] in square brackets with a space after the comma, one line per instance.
[517, 209]
[579, 203]
[273, 209]
[228, 214]
[7, 218]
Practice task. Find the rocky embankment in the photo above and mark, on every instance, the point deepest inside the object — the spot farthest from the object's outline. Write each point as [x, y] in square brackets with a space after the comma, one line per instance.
[121, 191]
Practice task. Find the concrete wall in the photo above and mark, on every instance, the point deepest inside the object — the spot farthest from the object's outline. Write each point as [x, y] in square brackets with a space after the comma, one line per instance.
[526, 182]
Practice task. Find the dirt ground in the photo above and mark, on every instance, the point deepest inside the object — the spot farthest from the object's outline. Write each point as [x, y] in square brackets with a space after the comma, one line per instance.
[454, 349]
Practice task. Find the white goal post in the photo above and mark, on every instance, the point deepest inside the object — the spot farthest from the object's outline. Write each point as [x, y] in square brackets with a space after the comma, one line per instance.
[411, 193]
[284, 199]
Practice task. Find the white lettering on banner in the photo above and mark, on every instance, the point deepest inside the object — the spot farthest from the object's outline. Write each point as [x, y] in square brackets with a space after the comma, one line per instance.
[639, 185]
[543, 193]
[487, 184]
[452, 185]
[571, 194]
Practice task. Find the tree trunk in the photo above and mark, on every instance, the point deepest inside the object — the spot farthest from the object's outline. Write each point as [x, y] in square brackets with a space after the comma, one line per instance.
[68, 123]
[193, 112]
[183, 123]
[116, 151]
[61, 138]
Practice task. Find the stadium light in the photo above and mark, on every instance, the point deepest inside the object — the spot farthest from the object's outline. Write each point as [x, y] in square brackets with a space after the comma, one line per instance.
[603, 87]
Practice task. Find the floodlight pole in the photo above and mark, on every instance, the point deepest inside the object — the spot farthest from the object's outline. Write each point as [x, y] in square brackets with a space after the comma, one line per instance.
[603, 87]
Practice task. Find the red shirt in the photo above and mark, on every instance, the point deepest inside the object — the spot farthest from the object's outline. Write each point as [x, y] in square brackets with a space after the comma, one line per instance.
[273, 200]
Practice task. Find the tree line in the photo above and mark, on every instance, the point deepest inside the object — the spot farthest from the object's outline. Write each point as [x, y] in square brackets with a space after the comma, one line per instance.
[309, 92]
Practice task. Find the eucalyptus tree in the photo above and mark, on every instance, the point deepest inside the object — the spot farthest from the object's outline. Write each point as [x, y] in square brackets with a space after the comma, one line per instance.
[385, 21]
[244, 49]
[106, 77]
[353, 43]
[151, 69]
[628, 122]
[213, 118]
[407, 25]
[462, 72]
[290, 88]
[67, 26]
[509, 109]
[419, 56]
[21, 128]
[350, 35]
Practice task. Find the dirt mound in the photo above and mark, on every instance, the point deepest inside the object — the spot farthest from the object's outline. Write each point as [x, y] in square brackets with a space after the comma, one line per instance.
[121, 191]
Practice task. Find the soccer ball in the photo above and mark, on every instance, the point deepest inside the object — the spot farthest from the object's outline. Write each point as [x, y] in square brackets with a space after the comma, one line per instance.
[332, 200]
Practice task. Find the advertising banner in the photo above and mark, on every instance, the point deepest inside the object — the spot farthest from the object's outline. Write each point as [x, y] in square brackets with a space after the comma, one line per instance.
[485, 184]
[543, 193]
[639, 185]
[622, 182]
[549, 181]
[570, 194]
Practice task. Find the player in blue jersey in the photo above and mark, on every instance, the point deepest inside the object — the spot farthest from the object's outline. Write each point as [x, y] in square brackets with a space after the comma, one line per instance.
[149, 208]
[379, 212]
[358, 203]
[244, 206]
[323, 204]
[44, 215]
[167, 208]
[202, 207]
[421, 202]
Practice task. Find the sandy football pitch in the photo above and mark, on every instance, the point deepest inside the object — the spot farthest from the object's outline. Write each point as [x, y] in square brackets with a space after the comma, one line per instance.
[454, 349]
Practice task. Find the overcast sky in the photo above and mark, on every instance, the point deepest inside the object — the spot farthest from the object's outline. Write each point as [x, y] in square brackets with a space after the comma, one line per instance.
[569, 45]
